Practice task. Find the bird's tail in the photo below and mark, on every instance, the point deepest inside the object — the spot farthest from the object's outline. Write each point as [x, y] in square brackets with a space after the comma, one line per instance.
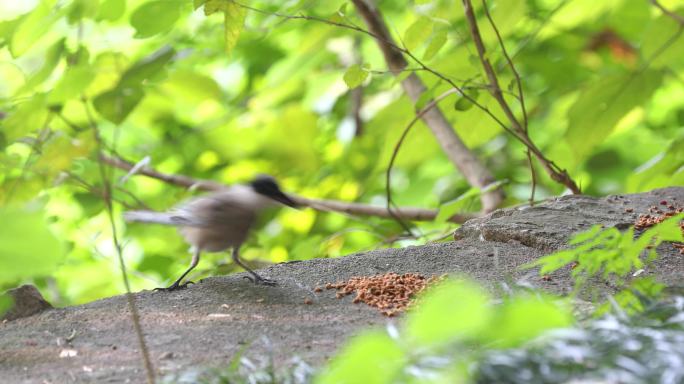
[150, 217]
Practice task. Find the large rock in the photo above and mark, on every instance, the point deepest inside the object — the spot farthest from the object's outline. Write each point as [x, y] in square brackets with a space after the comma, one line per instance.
[208, 323]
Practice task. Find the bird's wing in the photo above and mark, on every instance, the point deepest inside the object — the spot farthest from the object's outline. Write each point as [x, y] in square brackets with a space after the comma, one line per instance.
[222, 208]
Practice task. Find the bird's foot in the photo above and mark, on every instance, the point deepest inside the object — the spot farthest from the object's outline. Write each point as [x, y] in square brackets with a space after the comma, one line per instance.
[258, 280]
[175, 286]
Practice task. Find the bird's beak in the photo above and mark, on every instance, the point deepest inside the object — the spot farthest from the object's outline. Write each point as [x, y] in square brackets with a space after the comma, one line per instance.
[285, 199]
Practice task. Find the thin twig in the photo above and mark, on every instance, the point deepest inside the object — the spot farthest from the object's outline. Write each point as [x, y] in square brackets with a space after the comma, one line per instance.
[675, 16]
[399, 49]
[467, 162]
[106, 182]
[494, 89]
[556, 173]
[395, 152]
[533, 173]
[356, 94]
[474, 171]
[99, 192]
[521, 96]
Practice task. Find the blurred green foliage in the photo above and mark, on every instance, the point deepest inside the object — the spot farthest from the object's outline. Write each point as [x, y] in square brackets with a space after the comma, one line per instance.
[212, 90]
[456, 318]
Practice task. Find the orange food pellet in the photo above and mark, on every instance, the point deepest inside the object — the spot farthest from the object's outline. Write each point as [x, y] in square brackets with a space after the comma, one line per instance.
[391, 292]
[646, 221]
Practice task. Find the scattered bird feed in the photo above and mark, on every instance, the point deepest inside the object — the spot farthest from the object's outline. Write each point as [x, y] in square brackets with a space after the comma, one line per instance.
[658, 215]
[391, 293]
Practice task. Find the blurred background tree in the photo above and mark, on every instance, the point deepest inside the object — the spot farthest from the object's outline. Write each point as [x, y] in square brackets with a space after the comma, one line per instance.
[265, 88]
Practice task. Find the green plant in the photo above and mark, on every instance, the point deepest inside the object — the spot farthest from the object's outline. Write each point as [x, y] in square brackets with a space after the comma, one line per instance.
[613, 256]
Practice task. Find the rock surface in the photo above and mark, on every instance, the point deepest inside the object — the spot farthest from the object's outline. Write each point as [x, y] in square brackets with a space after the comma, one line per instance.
[208, 323]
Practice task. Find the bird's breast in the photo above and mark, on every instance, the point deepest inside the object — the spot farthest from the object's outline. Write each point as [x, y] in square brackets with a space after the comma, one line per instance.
[215, 238]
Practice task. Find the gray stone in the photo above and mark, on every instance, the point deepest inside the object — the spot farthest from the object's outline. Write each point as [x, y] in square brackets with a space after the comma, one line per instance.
[208, 323]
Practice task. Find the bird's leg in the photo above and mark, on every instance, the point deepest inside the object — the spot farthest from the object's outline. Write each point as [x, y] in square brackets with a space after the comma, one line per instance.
[255, 278]
[177, 285]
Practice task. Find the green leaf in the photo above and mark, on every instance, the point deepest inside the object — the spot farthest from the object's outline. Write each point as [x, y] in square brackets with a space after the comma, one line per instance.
[12, 79]
[355, 76]
[418, 33]
[111, 10]
[658, 42]
[371, 358]
[60, 151]
[33, 27]
[7, 28]
[645, 287]
[198, 3]
[191, 87]
[660, 171]
[457, 205]
[506, 14]
[117, 104]
[668, 230]
[521, 319]
[463, 103]
[450, 311]
[80, 57]
[154, 17]
[72, 84]
[403, 75]
[554, 262]
[424, 99]
[437, 42]
[582, 237]
[29, 116]
[234, 20]
[27, 247]
[336, 18]
[52, 57]
[81, 9]
[213, 6]
[146, 68]
[601, 106]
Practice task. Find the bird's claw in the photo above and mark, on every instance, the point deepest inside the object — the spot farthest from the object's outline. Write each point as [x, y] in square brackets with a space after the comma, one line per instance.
[258, 280]
[175, 287]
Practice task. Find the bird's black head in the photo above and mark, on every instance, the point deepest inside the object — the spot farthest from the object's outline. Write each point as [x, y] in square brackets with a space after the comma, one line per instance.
[267, 186]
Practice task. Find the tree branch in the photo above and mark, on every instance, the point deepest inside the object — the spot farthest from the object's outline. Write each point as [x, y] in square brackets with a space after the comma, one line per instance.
[675, 16]
[408, 213]
[452, 145]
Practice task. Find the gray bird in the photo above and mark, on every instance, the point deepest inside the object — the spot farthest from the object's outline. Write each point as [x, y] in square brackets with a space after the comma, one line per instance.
[219, 221]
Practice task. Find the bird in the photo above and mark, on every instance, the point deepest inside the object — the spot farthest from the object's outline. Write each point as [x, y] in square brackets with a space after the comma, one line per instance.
[218, 221]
